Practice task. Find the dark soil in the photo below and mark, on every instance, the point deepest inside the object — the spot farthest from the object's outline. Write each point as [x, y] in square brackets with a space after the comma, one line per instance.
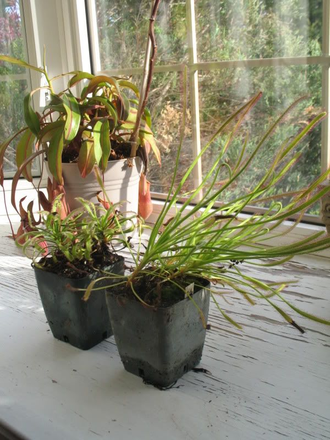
[79, 268]
[160, 294]
[119, 150]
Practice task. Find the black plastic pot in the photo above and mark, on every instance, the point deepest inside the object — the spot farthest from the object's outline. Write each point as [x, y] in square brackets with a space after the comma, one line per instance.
[82, 324]
[159, 345]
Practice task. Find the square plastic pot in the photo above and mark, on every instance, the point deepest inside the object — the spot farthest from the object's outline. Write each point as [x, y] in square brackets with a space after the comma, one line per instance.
[82, 324]
[159, 345]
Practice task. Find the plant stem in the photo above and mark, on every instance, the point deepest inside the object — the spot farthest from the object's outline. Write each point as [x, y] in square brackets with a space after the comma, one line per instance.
[149, 63]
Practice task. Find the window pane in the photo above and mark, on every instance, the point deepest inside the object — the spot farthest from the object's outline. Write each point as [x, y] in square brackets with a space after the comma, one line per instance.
[165, 104]
[225, 90]
[123, 27]
[241, 29]
[14, 80]
[11, 115]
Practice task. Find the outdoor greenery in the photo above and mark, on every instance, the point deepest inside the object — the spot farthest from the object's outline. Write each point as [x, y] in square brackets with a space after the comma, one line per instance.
[226, 30]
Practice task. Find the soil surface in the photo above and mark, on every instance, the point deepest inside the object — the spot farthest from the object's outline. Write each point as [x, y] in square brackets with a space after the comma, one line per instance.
[155, 292]
[102, 258]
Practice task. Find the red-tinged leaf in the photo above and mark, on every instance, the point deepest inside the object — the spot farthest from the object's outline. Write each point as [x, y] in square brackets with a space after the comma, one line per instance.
[124, 107]
[18, 175]
[109, 107]
[97, 142]
[22, 212]
[48, 131]
[123, 83]
[103, 202]
[73, 117]
[21, 63]
[30, 211]
[127, 126]
[3, 148]
[147, 140]
[54, 155]
[105, 145]
[79, 77]
[19, 233]
[54, 190]
[99, 81]
[145, 203]
[31, 118]
[86, 159]
[147, 117]
[132, 116]
[44, 202]
[25, 149]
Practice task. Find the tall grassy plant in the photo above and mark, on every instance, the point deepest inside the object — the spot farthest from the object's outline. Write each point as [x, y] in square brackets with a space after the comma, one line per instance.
[208, 241]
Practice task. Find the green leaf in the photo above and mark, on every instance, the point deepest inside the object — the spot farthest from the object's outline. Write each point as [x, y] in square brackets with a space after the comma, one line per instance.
[55, 104]
[3, 148]
[25, 149]
[125, 109]
[79, 77]
[54, 155]
[30, 116]
[49, 130]
[86, 159]
[97, 142]
[109, 107]
[123, 83]
[73, 117]
[105, 144]
[147, 117]
[100, 81]
[21, 63]
[146, 137]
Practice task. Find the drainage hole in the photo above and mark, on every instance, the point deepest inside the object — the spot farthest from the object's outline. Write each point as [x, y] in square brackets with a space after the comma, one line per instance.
[141, 372]
[65, 339]
[185, 368]
[105, 335]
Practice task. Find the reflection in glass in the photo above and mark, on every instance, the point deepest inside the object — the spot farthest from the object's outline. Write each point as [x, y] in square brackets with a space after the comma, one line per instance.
[225, 90]
[123, 27]
[11, 91]
[241, 29]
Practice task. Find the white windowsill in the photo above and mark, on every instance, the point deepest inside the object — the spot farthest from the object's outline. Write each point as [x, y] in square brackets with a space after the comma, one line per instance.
[25, 188]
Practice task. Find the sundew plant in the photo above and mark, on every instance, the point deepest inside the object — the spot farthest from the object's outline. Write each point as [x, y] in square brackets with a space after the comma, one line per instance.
[208, 240]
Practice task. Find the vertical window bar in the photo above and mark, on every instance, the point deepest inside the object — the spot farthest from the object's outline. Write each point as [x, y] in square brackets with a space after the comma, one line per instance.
[325, 86]
[94, 36]
[193, 90]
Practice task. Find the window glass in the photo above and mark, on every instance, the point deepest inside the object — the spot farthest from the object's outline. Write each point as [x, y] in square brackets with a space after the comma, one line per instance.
[224, 90]
[166, 105]
[245, 29]
[225, 30]
[123, 26]
[14, 80]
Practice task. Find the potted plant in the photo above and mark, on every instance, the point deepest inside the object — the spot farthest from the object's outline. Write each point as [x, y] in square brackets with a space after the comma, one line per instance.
[76, 132]
[159, 311]
[106, 125]
[67, 255]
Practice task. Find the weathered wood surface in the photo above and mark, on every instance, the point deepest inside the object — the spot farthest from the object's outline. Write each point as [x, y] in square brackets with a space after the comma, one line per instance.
[266, 382]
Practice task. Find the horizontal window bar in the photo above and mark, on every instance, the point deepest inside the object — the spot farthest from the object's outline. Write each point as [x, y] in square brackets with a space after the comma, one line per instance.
[16, 77]
[260, 62]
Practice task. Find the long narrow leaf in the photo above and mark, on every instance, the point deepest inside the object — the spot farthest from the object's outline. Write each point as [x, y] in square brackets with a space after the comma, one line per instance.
[24, 150]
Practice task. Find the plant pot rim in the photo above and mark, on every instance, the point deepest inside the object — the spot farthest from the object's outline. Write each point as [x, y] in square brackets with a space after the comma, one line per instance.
[128, 296]
[89, 275]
